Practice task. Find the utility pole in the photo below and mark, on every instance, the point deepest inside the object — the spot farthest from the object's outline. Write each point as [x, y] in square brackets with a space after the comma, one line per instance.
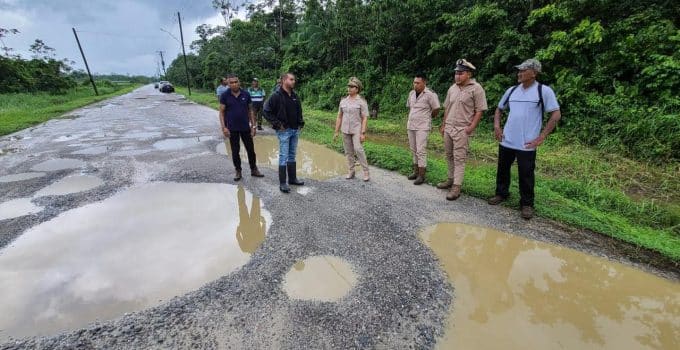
[186, 68]
[85, 60]
[163, 64]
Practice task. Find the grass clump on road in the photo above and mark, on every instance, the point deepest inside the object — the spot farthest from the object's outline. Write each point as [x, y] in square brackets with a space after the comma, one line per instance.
[22, 110]
[629, 200]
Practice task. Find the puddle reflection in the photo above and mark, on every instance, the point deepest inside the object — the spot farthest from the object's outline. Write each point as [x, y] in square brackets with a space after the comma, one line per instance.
[515, 293]
[252, 226]
[123, 254]
[314, 161]
[320, 278]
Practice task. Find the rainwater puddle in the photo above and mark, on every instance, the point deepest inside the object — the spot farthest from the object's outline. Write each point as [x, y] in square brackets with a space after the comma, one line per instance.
[516, 293]
[17, 207]
[92, 150]
[144, 135]
[126, 253]
[320, 278]
[180, 143]
[313, 161]
[65, 138]
[58, 164]
[20, 177]
[71, 184]
[130, 153]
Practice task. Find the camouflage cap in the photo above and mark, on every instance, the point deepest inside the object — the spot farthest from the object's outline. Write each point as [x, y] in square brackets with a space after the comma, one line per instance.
[463, 65]
[531, 63]
[356, 82]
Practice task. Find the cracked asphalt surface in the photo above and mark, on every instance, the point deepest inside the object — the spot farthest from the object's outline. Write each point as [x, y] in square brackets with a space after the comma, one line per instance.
[402, 297]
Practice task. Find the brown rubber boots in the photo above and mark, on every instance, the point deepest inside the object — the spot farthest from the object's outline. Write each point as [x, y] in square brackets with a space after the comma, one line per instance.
[414, 175]
[420, 179]
[454, 193]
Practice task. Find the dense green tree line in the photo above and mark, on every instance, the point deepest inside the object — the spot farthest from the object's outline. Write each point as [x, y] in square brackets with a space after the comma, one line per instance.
[614, 64]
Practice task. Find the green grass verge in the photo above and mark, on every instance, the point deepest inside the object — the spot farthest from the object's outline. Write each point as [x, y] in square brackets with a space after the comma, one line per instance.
[20, 111]
[574, 185]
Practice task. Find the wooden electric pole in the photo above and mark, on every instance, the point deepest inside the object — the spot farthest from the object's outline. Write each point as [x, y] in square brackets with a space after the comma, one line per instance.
[186, 68]
[85, 60]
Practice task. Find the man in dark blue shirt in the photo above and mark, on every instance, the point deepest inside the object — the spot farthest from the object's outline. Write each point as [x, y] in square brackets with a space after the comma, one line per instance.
[238, 124]
[284, 111]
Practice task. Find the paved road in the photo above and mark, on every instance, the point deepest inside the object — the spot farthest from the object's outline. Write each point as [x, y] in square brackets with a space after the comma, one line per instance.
[120, 150]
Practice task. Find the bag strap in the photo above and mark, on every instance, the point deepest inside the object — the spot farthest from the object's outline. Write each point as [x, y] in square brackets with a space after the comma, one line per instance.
[507, 100]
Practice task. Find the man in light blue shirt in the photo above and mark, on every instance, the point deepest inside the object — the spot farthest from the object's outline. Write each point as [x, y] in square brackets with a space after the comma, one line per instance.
[522, 134]
[221, 88]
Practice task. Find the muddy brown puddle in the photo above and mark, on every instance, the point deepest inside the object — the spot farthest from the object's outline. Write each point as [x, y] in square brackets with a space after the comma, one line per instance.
[124, 254]
[515, 293]
[320, 278]
[313, 161]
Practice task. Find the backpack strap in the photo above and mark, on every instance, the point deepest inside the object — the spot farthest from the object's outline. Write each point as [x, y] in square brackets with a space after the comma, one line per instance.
[507, 100]
[540, 98]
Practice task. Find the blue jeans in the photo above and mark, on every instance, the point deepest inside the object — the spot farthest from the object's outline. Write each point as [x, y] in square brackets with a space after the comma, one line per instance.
[288, 140]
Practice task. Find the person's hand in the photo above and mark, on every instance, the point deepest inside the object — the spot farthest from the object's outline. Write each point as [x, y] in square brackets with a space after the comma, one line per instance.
[469, 130]
[362, 138]
[335, 136]
[225, 131]
[498, 133]
[441, 130]
[535, 142]
[253, 131]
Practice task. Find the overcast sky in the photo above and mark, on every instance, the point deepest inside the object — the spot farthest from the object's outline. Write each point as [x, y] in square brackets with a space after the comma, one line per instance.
[118, 36]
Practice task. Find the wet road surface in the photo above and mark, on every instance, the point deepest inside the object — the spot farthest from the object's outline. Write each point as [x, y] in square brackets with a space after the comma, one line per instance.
[121, 227]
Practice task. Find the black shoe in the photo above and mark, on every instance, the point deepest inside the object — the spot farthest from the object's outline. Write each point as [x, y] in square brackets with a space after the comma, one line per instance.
[283, 186]
[238, 175]
[292, 177]
[495, 200]
[255, 172]
[527, 212]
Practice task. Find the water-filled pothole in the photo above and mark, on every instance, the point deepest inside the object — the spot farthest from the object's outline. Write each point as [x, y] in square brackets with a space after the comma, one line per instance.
[125, 253]
[180, 143]
[16, 208]
[20, 177]
[320, 278]
[313, 160]
[96, 150]
[5, 151]
[71, 184]
[58, 164]
[516, 293]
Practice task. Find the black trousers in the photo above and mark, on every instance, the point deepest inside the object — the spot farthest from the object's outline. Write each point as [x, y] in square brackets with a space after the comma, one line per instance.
[235, 138]
[526, 164]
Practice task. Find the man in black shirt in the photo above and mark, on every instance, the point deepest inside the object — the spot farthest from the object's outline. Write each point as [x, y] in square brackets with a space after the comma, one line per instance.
[284, 111]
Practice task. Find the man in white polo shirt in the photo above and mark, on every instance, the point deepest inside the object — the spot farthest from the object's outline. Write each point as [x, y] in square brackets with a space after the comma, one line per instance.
[522, 133]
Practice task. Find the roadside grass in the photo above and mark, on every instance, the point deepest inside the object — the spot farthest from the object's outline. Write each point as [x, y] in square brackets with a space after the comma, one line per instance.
[605, 193]
[23, 110]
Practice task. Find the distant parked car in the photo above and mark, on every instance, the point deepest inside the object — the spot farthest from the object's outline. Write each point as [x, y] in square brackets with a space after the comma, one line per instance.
[167, 87]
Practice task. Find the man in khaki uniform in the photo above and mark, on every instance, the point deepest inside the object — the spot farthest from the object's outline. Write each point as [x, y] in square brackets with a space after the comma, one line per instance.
[463, 108]
[423, 105]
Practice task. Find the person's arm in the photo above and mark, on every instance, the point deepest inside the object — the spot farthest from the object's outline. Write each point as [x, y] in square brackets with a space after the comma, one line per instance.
[364, 127]
[338, 122]
[225, 128]
[497, 131]
[270, 110]
[443, 126]
[253, 121]
[549, 127]
[475, 121]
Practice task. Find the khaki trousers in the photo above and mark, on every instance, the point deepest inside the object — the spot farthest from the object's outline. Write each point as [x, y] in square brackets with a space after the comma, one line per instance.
[353, 148]
[456, 145]
[417, 141]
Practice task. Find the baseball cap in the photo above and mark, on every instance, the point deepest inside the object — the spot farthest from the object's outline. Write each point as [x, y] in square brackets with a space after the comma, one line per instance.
[531, 63]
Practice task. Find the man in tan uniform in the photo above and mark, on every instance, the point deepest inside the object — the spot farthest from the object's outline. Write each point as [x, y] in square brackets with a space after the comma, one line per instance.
[463, 108]
[423, 105]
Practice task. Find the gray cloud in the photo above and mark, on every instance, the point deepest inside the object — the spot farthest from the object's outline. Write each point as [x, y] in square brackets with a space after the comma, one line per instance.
[117, 36]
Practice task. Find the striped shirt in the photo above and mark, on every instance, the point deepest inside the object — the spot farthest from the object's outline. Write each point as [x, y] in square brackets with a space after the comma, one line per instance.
[257, 95]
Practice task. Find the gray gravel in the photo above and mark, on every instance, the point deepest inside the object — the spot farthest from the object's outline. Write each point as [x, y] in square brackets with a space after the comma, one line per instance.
[402, 297]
